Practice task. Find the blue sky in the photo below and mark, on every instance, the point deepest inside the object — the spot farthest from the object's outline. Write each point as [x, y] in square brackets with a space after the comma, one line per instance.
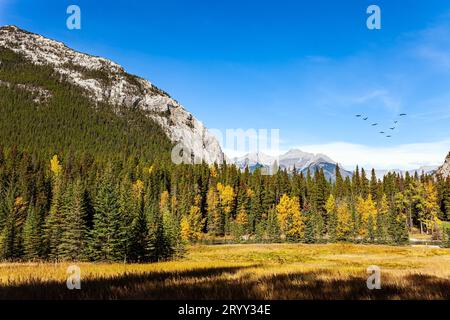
[304, 67]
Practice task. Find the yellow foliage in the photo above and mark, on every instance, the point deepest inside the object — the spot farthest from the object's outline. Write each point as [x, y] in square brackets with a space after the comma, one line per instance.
[164, 202]
[19, 202]
[242, 218]
[138, 188]
[290, 216]
[197, 222]
[213, 171]
[365, 209]
[384, 206]
[214, 222]
[431, 207]
[174, 204]
[330, 205]
[55, 166]
[149, 170]
[226, 194]
[185, 229]
[344, 221]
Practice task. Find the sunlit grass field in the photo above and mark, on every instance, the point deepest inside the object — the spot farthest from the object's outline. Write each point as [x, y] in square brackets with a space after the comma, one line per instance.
[254, 271]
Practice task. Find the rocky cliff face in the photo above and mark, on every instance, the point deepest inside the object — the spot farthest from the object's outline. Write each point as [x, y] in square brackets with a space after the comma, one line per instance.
[105, 81]
[444, 170]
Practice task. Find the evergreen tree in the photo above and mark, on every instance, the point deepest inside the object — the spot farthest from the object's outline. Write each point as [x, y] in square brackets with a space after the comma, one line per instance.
[159, 246]
[74, 231]
[373, 185]
[382, 220]
[14, 214]
[104, 238]
[54, 220]
[32, 235]
[273, 230]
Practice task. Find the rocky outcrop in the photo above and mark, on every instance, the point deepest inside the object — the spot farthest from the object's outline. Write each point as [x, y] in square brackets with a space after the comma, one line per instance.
[105, 81]
[444, 170]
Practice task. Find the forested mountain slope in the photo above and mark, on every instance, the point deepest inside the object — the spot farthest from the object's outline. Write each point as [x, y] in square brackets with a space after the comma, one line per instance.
[45, 64]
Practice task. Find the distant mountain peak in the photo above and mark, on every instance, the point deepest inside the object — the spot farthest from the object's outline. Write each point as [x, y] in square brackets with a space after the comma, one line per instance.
[293, 159]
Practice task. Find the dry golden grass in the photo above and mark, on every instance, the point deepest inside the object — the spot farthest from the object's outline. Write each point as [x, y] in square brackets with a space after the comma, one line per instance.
[276, 271]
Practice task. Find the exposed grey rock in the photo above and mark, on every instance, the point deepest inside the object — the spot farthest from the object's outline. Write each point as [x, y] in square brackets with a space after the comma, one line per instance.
[444, 170]
[105, 81]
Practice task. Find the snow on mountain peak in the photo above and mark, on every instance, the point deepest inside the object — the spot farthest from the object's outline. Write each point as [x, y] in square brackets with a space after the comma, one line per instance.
[294, 158]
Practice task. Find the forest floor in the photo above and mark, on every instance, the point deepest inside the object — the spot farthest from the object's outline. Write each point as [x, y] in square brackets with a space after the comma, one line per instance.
[246, 271]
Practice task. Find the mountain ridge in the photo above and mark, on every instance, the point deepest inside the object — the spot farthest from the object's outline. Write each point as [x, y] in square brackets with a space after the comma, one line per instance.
[105, 81]
[292, 159]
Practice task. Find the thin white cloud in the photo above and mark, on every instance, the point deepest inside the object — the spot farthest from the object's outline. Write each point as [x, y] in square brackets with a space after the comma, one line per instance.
[381, 95]
[438, 57]
[404, 156]
[367, 97]
[432, 44]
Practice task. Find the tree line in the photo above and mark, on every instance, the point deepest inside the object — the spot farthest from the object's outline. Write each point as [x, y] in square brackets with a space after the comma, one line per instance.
[133, 211]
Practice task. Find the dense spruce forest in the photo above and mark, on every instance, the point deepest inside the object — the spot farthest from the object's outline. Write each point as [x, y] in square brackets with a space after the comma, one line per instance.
[135, 210]
[94, 182]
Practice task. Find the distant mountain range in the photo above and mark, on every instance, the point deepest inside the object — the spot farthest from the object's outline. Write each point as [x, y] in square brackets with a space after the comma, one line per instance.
[424, 169]
[292, 160]
[302, 161]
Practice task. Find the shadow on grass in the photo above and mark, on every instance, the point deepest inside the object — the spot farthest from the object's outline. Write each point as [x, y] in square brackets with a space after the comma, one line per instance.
[225, 283]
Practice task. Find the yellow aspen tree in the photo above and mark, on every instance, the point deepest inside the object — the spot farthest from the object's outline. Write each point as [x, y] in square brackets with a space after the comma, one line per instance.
[215, 217]
[226, 195]
[55, 166]
[330, 205]
[213, 171]
[242, 218]
[185, 230]
[138, 189]
[344, 221]
[430, 208]
[290, 217]
[331, 217]
[195, 220]
[367, 213]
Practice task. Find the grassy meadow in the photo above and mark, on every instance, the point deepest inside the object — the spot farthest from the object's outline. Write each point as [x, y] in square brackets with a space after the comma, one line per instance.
[254, 271]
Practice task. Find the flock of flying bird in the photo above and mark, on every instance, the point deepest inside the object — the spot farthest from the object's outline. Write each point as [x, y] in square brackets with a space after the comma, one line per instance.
[376, 123]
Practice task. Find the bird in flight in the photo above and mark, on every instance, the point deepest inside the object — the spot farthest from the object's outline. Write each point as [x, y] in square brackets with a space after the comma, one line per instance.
[365, 118]
[382, 132]
[392, 128]
[374, 124]
[388, 136]
[402, 114]
[358, 116]
[395, 121]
